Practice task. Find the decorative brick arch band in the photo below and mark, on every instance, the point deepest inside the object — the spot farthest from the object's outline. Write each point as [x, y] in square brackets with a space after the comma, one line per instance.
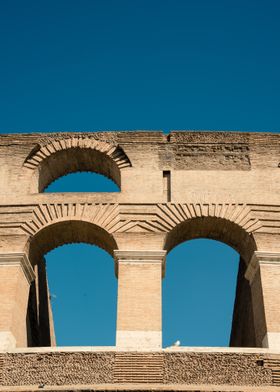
[42, 152]
[232, 224]
[71, 154]
[69, 232]
[58, 224]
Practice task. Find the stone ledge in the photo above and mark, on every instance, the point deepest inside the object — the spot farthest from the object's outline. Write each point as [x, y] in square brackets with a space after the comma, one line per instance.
[18, 259]
[261, 258]
[237, 370]
[140, 387]
[114, 349]
[140, 257]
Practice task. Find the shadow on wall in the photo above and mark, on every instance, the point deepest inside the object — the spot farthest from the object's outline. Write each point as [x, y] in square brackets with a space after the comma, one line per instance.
[199, 293]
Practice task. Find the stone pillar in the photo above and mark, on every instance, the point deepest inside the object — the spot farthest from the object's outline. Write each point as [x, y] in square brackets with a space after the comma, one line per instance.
[263, 273]
[139, 323]
[16, 274]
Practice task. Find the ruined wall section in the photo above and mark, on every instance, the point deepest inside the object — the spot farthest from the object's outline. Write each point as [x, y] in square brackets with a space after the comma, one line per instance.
[239, 167]
[243, 332]
[171, 187]
[111, 370]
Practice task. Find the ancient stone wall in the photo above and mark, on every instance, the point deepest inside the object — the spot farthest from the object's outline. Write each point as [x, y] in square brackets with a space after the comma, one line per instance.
[173, 188]
[109, 368]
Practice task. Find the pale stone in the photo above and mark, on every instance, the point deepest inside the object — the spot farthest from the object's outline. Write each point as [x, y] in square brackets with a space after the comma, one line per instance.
[139, 298]
[272, 340]
[261, 258]
[18, 259]
[139, 340]
[7, 341]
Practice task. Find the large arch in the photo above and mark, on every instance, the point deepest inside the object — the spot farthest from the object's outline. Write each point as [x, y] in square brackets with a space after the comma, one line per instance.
[67, 232]
[220, 229]
[241, 240]
[198, 290]
[74, 154]
[39, 324]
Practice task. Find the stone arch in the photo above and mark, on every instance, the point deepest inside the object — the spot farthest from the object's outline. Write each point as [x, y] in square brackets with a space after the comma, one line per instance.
[71, 154]
[39, 324]
[67, 232]
[52, 225]
[232, 224]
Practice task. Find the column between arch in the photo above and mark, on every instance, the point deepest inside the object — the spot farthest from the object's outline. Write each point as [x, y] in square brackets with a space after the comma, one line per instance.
[16, 274]
[263, 273]
[139, 309]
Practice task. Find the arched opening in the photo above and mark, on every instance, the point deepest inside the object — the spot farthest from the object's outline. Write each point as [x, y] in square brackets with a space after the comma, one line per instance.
[82, 182]
[76, 285]
[75, 160]
[214, 228]
[77, 153]
[198, 293]
[84, 301]
[214, 305]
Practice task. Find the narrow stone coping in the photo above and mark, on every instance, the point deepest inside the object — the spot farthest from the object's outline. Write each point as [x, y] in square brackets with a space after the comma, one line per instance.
[113, 349]
[142, 387]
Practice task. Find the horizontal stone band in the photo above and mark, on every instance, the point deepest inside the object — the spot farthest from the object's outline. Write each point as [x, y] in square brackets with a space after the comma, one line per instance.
[261, 258]
[18, 259]
[139, 256]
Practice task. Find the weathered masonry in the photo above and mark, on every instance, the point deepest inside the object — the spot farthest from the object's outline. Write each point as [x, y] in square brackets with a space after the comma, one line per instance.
[173, 188]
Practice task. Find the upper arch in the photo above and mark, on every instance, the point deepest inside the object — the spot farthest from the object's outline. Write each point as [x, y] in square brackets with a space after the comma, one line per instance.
[71, 154]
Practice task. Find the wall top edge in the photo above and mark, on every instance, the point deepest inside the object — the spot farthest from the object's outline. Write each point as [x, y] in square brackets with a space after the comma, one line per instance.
[152, 136]
[172, 349]
[129, 131]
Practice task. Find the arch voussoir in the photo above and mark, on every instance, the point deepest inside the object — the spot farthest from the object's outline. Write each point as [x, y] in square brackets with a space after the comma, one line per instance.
[115, 152]
[230, 223]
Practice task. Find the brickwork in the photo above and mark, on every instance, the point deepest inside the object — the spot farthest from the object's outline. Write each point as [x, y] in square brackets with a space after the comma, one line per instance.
[112, 370]
[173, 188]
[139, 298]
[140, 288]
[14, 292]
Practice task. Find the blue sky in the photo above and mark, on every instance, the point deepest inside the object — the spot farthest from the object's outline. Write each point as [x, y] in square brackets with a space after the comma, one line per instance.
[198, 290]
[151, 64]
[141, 64]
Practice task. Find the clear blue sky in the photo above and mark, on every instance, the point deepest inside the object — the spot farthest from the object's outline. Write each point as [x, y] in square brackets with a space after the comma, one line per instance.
[149, 64]
[198, 290]
[141, 64]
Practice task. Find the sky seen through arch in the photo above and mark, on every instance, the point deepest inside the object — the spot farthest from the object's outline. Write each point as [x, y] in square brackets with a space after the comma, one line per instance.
[198, 289]
[149, 64]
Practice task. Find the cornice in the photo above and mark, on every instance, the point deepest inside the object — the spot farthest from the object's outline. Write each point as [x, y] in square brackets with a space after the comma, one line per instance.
[141, 257]
[261, 258]
[18, 259]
